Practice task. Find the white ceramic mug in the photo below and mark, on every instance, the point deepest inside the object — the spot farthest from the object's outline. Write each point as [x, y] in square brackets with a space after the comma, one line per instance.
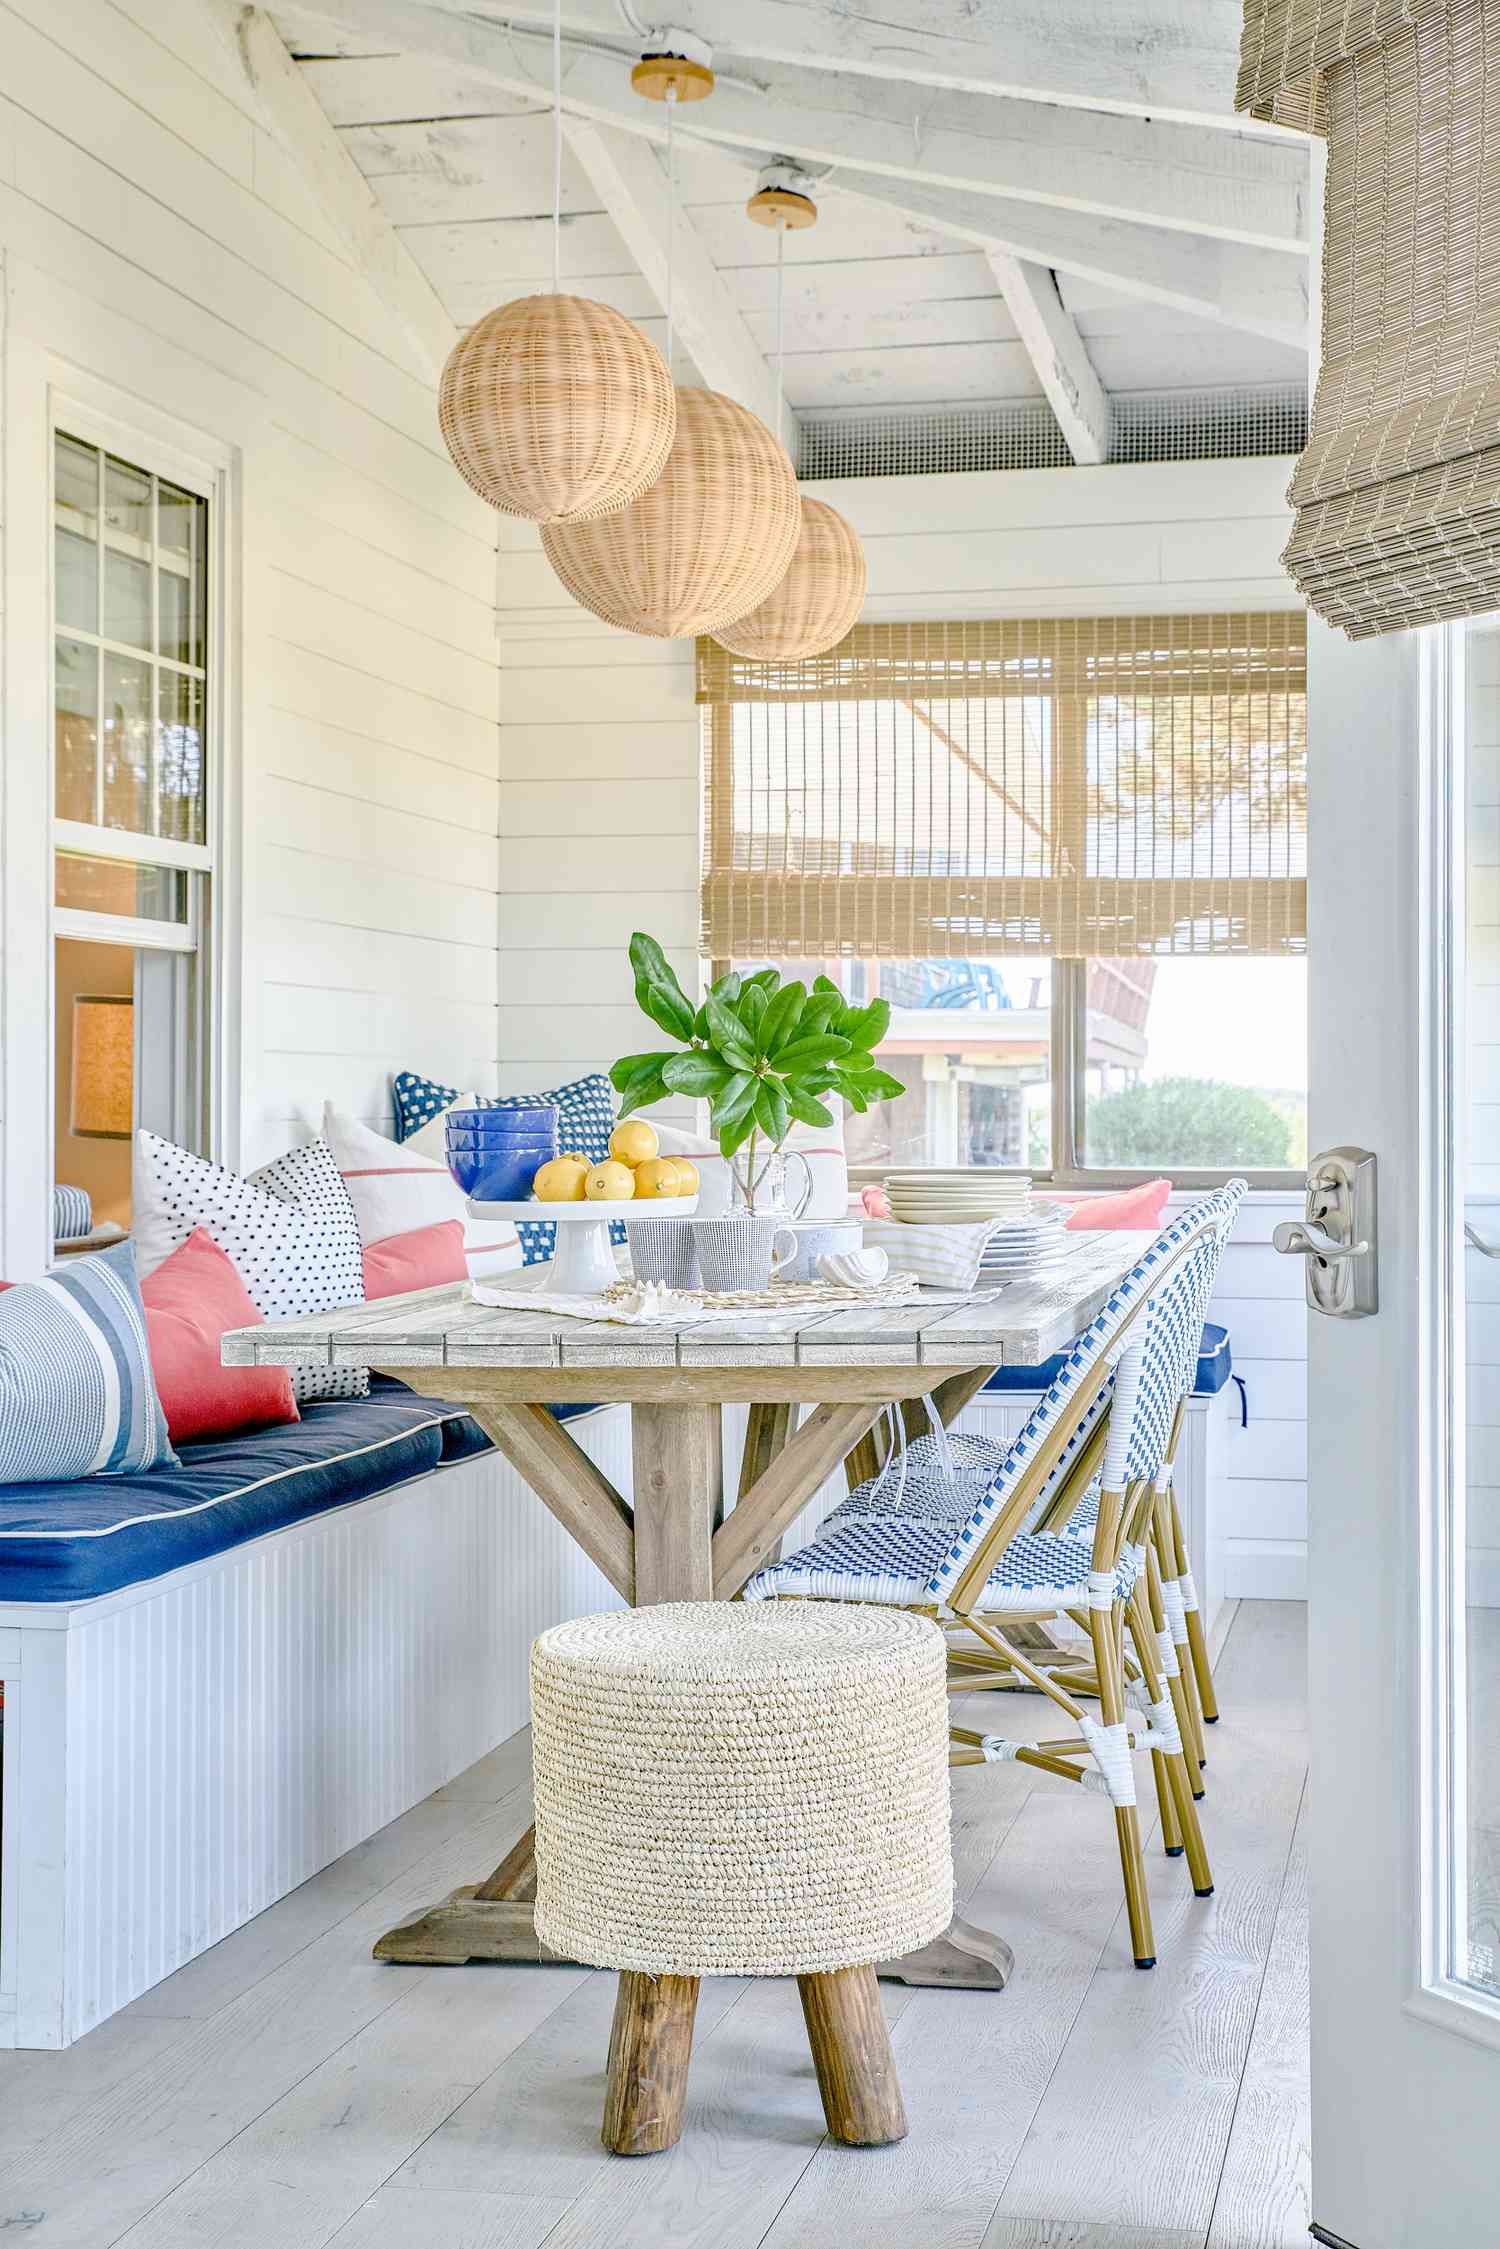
[741, 1252]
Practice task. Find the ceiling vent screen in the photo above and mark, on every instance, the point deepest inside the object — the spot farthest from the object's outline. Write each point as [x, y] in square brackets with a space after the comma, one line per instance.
[1173, 425]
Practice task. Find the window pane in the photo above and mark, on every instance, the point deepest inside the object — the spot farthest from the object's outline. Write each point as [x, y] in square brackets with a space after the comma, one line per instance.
[971, 1042]
[1196, 1064]
[76, 485]
[179, 757]
[127, 744]
[77, 578]
[127, 505]
[182, 580]
[120, 886]
[127, 599]
[77, 721]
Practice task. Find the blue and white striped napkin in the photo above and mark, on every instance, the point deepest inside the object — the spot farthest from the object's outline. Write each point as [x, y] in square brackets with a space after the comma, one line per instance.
[936, 1256]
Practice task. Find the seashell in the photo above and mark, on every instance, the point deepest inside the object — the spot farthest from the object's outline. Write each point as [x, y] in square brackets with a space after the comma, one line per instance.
[855, 1268]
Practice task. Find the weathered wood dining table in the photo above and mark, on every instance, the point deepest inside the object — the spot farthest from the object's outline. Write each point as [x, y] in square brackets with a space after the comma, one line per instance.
[676, 1539]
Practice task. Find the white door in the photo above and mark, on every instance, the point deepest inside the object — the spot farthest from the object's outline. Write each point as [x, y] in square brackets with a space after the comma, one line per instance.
[1404, 1426]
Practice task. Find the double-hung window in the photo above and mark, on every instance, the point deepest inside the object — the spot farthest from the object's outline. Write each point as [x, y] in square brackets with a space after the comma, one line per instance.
[1071, 853]
[132, 818]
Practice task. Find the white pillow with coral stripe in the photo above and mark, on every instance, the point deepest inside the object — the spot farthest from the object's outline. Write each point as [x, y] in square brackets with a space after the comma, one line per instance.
[397, 1186]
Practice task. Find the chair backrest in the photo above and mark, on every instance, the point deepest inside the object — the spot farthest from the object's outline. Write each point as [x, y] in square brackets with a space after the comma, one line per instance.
[1187, 1253]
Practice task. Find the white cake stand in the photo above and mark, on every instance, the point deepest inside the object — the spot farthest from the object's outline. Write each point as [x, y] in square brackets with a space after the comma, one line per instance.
[585, 1262]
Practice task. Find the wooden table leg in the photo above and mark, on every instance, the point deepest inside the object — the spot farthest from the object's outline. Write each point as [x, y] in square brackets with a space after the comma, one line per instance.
[678, 1495]
[678, 1491]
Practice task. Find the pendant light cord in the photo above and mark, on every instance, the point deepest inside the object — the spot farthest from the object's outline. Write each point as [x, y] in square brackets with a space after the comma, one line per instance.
[557, 148]
[780, 325]
[671, 214]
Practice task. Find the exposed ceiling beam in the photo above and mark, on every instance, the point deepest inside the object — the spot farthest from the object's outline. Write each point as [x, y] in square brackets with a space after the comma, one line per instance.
[1262, 292]
[1169, 59]
[633, 189]
[1059, 355]
[1180, 177]
[292, 109]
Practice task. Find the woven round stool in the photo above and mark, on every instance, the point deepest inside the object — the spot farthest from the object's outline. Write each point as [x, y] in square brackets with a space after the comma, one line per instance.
[725, 1789]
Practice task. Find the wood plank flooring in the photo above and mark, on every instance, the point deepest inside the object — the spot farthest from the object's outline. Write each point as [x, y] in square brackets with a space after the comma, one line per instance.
[284, 2092]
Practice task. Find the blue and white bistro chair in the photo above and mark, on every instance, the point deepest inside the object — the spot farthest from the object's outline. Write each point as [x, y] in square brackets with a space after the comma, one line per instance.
[1171, 1593]
[1111, 1410]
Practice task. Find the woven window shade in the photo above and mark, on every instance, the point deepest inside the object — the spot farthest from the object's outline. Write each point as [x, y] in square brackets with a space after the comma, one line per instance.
[1063, 787]
[1398, 491]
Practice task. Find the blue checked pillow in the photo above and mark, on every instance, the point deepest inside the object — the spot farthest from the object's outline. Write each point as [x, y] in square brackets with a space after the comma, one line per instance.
[76, 1393]
[585, 1120]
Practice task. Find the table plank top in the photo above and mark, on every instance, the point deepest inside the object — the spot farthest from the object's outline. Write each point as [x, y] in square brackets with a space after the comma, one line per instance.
[1023, 1324]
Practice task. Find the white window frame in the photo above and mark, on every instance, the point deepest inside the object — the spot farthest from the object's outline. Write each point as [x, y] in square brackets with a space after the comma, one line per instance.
[44, 393]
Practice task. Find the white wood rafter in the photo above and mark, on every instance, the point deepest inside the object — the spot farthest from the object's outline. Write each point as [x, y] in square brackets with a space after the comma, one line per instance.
[1174, 60]
[1262, 292]
[1181, 178]
[292, 109]
[632, 186]
[1059, 355]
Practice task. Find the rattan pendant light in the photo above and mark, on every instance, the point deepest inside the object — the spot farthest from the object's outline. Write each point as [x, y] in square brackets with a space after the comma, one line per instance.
[711, 537]
[553, 407]
[714, 534]
[820, 597]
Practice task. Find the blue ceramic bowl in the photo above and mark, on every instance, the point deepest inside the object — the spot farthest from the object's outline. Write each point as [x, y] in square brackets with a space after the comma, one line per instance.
[462, 1138]
[499, 1123]
[493, 1176]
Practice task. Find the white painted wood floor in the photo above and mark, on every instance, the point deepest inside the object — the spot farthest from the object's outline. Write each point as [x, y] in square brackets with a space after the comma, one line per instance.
[284, 2092]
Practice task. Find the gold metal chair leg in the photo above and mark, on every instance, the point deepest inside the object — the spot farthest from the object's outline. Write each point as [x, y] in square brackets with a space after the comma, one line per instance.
[1102, 1631]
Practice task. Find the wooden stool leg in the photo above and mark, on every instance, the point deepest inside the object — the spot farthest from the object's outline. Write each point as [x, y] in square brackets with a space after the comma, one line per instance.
[851, 2051]
[649, 2046]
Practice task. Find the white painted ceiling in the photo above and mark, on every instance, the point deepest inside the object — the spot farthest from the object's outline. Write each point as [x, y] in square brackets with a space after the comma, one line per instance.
[956, 137]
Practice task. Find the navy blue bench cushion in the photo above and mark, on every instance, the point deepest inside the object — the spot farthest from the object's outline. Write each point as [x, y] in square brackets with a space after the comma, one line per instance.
[71, 1541]
[1214, 1368]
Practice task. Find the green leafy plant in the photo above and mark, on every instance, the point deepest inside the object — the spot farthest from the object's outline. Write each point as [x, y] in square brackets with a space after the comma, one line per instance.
[761, 1053]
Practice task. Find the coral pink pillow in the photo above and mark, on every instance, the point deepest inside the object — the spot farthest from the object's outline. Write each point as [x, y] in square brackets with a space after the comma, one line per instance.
[191, 1299]
[1137, 1207]
[424, 1258]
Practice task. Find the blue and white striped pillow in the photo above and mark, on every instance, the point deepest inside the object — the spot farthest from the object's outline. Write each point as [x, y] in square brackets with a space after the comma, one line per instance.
[76, 1393]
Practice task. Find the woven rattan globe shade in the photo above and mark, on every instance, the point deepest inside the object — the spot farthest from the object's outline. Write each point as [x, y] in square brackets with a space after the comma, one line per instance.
[707, 542]
[816, 603]
[741, 1789]
[557, 409]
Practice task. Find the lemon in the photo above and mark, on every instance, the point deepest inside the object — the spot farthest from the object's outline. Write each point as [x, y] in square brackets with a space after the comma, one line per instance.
[610, 1183]
[687, 1176]
[656, 1179]
[561, 1180]
[633, 1142]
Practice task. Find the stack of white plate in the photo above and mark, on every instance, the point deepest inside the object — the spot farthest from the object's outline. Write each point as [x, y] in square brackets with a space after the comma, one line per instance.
[1030, 1244]
[956, 1198]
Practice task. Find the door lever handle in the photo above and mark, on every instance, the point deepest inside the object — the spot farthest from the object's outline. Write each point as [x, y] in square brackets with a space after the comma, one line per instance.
[1477, 1241]
[1300, 1237]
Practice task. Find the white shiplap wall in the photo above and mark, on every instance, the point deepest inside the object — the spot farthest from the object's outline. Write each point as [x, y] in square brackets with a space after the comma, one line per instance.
[165, 254]
[599, 813]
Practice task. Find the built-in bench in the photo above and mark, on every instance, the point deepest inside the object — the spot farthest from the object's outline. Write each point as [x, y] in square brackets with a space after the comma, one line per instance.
[220, 1677]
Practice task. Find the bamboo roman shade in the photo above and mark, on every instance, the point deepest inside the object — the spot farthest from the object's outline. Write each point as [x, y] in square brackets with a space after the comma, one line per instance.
[1398, 491]
[1067, 787]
